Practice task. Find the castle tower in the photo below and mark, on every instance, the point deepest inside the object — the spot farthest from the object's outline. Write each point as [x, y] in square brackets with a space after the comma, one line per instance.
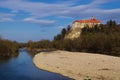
[93, 18]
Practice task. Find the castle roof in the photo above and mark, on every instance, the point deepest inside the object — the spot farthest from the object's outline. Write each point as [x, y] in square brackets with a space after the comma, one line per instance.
[92, 20]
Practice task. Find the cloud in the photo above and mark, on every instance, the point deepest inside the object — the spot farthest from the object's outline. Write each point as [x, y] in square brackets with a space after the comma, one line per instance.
[6, 14]
[35, 8]
[38, 21]
[6, 17]
[97, 2]
[6, 20]
[64, 9]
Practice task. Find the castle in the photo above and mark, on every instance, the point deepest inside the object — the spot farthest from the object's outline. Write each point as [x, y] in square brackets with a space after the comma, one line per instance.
[82, 23]
[77, 25]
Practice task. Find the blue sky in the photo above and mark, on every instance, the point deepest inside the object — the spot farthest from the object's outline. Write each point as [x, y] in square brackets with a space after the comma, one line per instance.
[24, 20]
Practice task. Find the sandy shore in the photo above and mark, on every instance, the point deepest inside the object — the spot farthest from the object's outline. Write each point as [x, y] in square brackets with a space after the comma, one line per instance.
[79, 66]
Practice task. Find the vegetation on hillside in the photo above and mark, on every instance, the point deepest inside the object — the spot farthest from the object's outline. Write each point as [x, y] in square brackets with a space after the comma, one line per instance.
[103, 39]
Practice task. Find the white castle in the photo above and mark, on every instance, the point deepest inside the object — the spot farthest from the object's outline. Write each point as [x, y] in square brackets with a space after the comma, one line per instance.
[77, 25]
[82, 23]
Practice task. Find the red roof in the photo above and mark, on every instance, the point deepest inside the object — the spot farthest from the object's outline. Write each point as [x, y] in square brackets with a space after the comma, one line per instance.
[88, 21]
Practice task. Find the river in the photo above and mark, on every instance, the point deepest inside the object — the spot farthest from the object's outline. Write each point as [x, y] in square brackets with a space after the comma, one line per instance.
[22, 68]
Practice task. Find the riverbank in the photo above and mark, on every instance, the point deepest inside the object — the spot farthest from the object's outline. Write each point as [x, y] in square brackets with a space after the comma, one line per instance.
[38, 50]
[79, 65]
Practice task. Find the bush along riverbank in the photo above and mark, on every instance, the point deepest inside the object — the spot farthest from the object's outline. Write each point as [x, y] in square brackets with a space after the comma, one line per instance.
[8, 48]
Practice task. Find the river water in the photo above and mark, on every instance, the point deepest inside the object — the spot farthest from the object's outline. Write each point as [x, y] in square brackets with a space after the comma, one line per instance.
[22, 68]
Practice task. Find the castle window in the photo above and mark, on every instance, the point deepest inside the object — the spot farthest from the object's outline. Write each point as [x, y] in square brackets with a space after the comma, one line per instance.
[78, 24]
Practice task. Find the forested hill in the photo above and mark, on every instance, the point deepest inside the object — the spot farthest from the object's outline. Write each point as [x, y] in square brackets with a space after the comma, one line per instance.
[102, 39]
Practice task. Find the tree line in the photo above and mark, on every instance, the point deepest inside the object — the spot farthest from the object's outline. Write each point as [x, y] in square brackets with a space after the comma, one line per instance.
[102, 39]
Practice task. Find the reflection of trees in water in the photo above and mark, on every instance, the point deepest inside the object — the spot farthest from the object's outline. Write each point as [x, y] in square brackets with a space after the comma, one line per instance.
[31, 54]
[4, 59]
[7, 58]
[15, 55]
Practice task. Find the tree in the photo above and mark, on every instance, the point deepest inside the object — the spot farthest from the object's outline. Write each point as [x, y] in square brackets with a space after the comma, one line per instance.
[111, 23]
[58, 37]
[114, 23]
[68, 28]
[63, 32]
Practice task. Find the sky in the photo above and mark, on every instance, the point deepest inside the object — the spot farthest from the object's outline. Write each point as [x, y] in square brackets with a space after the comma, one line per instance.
[24, 20]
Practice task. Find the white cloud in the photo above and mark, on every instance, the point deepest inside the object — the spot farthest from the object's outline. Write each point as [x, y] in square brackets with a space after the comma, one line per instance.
[6, 20]
[35, 8]
[42, 22]
[97, 2]
[40, 9]
[6, 17]
[6, 14]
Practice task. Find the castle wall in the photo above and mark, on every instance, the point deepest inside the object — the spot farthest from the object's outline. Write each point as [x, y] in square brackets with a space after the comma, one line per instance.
[82, 25]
